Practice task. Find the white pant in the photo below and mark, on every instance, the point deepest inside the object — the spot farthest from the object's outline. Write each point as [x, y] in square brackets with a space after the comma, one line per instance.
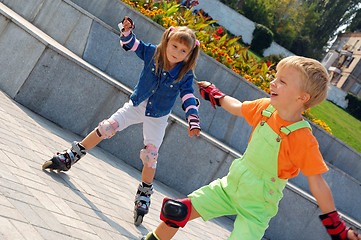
[153, 128]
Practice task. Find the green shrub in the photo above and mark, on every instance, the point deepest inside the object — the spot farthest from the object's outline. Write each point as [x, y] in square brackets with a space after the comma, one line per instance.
[354, 106]
[262, 39]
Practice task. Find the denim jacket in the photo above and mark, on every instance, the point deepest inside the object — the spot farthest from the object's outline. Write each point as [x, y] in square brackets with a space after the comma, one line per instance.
[160, 89]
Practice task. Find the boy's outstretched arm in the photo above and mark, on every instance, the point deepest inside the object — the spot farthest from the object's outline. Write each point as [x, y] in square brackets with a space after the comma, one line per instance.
[232, 105]
[330, 218]
[216, 97]
[321, 192]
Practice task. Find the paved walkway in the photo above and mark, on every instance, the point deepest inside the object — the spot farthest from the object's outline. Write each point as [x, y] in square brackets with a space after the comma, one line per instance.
[94, 200]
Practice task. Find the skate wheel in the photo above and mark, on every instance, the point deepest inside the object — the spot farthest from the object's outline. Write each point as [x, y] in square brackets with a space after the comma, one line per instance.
[47, 164]
[138, 220]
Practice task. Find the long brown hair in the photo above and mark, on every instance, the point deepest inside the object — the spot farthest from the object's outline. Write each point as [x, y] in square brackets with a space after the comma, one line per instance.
[185, 36]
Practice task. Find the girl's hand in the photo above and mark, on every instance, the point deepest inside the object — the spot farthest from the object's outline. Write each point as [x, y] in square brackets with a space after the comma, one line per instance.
[351, 235]
[194, 127]
[194, 132]
[127, 24]
[203, 84]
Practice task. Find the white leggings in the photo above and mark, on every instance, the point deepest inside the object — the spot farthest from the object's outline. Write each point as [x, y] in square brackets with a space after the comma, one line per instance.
[153, 128]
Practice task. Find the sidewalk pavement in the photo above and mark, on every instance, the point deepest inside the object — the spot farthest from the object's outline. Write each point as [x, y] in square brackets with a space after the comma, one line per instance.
[94, 200]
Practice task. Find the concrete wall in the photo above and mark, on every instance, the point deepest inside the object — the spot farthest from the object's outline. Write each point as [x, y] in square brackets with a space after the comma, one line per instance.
[337, 96]
[67, 90]
[229, 129]
[72, 93]
[102, 50]
[99, 44]
[237, 24]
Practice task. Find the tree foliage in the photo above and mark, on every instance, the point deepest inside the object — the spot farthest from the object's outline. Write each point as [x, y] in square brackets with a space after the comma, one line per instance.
[304, 27]
[332, 15]
[355, 25]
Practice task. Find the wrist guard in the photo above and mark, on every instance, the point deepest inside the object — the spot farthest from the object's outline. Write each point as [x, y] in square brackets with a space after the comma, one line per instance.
[193, 121]
[336, 228]
[212, 94]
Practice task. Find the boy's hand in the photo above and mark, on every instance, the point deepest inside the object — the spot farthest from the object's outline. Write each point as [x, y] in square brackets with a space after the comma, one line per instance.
[336, 227]
[210, 93]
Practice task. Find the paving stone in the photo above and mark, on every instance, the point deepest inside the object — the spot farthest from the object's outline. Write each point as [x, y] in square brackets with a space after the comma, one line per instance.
[8, 230]
[93, 200]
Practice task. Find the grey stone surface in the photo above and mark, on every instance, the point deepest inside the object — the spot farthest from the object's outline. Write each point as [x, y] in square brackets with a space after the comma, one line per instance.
[100, 46]
[57, 88]
[16, 65]
[59, 19]
[94, 200]
[28, 11]
[103, 51]
[341, 185]
[61, 80]
[210, 70]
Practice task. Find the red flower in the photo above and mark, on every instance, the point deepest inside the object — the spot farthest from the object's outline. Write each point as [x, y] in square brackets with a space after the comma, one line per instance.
[216, 36]
[220, 31]
[268, 63]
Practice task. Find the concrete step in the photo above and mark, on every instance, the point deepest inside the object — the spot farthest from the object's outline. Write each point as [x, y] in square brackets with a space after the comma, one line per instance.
[237, 132]
[50, 70]
[92, 201]
[97, 42]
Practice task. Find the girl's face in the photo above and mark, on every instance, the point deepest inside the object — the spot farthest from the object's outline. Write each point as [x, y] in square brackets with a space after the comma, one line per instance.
[176, 52]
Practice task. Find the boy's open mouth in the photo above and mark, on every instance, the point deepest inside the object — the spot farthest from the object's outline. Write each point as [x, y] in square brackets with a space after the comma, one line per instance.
[273, 94]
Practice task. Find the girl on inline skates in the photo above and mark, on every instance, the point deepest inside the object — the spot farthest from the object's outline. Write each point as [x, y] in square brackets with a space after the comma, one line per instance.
[168, 72]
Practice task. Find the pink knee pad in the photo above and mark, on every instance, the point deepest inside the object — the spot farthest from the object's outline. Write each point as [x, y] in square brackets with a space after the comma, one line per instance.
[107, 128]
[149, 155]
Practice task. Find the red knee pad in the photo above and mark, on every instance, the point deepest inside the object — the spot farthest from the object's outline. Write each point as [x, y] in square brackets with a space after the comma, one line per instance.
[176, 212]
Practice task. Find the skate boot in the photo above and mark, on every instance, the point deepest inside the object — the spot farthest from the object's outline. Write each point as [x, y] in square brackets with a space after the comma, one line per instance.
[142, 202]
[62, 161]
[150, 236]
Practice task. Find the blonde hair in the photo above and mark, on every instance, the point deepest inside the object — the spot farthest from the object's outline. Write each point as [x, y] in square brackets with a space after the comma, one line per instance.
[314, 77]
[185, 36]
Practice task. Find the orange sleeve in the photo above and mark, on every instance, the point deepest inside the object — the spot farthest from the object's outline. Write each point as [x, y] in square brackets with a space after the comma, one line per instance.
[252, 110]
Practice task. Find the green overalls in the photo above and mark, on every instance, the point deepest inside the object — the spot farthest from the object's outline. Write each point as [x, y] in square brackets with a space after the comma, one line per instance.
[252, 189]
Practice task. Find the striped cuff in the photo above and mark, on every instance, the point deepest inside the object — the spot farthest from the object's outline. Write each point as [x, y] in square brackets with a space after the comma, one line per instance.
[129, 42]
[193, 121]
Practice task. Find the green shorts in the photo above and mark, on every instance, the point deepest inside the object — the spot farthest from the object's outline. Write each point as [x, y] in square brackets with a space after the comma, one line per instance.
[243, 193]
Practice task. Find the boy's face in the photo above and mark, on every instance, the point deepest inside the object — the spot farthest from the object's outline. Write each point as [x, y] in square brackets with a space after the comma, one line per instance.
[176, 52]
[285, 89]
